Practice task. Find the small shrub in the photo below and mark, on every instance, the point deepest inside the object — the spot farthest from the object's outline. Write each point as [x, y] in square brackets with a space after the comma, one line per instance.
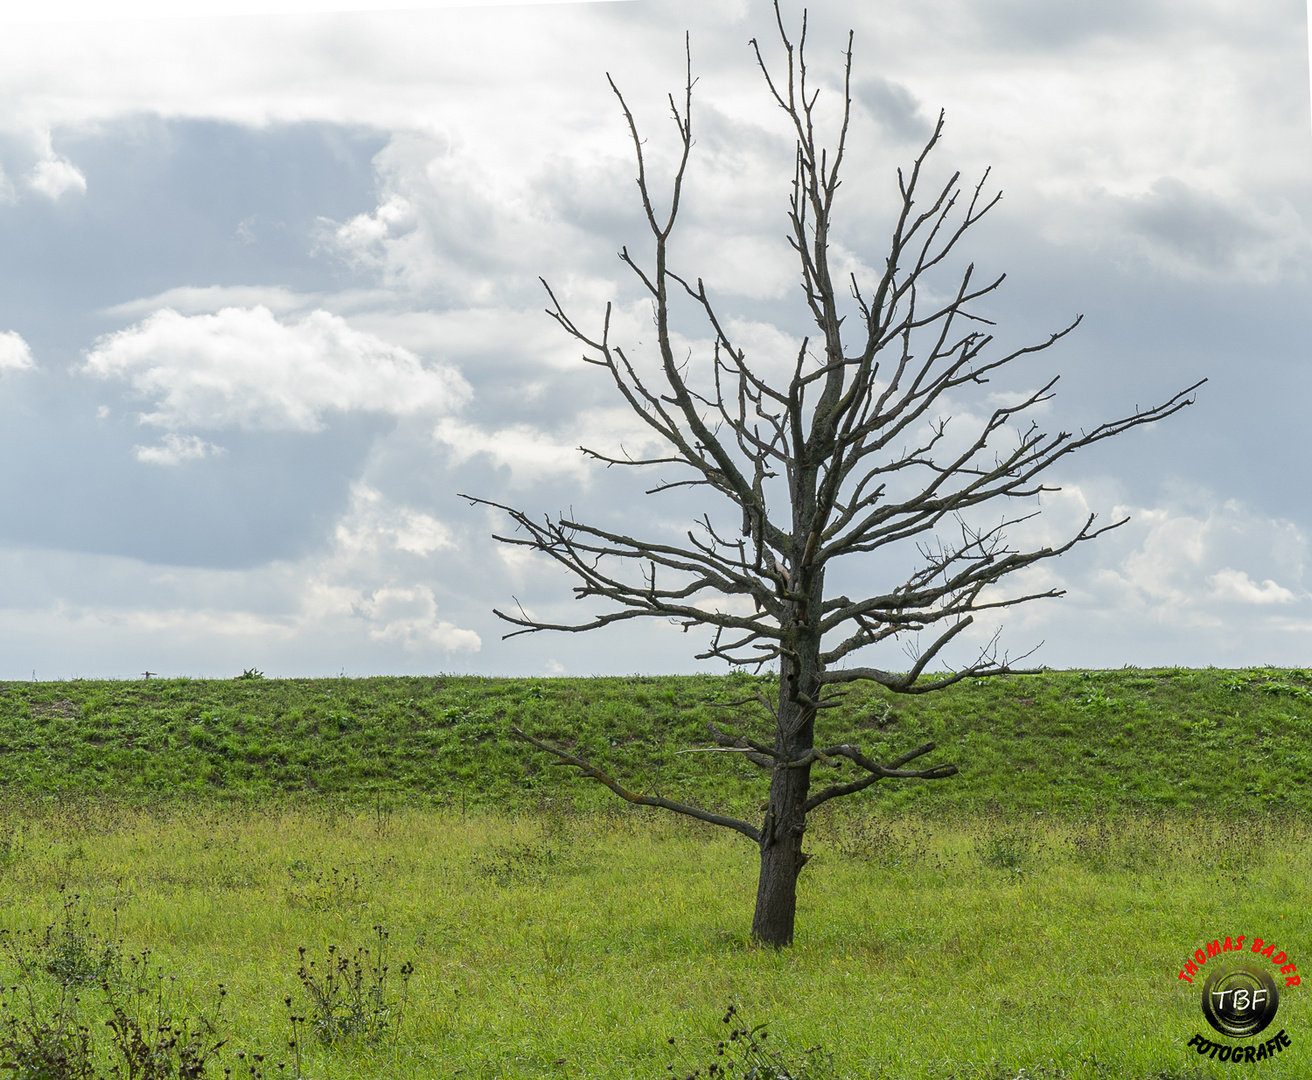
[335, 891]
[1094, 697]
[149, 1041]
[1009, 851]
[61, 1036]
[69, 951]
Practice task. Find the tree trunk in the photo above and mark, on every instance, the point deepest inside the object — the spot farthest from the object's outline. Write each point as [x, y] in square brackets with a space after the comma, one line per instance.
[784, 827]
[782, 857]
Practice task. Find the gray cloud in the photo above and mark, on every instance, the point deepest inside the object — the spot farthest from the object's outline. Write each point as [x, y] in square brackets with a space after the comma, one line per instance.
[895, 108]
[1197, 233]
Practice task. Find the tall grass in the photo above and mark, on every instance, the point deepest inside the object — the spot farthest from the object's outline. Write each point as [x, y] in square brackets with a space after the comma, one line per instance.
[990, 944]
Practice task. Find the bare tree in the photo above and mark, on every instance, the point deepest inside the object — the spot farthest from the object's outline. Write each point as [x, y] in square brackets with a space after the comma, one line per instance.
[848, 457]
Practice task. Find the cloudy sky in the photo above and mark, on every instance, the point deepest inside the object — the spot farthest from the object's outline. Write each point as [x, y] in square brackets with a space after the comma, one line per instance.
[269, 300]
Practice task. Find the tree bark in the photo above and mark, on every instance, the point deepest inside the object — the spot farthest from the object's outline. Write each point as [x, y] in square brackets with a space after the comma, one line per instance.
[784, 827]
[782, 857]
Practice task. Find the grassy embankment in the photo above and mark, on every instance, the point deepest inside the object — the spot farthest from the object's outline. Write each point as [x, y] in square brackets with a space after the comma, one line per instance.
[1030, 913]
[1218, 741]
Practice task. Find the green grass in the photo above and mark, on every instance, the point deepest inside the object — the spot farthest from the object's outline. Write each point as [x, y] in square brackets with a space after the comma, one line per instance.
[577, 945]
[1029, 914]
[1216, 740]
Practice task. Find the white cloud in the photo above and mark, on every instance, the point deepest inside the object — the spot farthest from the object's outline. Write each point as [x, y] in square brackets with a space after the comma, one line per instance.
[1009, 399]
[365, 235]
[371, 523]
[409, 615]
[15, 354]
[205, 300]
[451, 226]
[242, 368]
[55, 177]
[532, 454]
[720, 604]
[81, 11]
[195, 624]
[1191, 232]
[361, 578]
[755, 267]
[1183, 563]
[175, 449]
[1237, 586]
[1167, 577]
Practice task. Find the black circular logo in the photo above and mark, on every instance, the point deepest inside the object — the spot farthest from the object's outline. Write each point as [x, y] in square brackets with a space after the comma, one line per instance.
[1240, 1002]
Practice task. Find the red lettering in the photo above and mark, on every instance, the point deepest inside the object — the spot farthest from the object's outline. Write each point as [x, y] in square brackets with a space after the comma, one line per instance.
[1279, 958]
[1293, 980]
[1228, 945]
[1288, 969]
[1269, 950]
[1200, 956]
[1191, 967]
[1213, 948]
[1185, 977]
[1239, 942]
[1257, 944]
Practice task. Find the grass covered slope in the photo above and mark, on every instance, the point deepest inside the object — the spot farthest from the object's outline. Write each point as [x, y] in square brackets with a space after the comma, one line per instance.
[1213, 740]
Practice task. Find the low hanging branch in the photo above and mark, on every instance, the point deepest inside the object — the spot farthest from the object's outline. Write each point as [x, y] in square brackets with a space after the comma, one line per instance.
[760, 755]
[749, 831]
[848, 457]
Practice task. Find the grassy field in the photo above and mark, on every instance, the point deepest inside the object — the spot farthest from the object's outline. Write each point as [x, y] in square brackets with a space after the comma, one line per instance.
[577, 945]
[1027, 918]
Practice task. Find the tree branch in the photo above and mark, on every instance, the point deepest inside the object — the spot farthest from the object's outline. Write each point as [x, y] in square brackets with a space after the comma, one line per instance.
[749, 831]
[877, 771]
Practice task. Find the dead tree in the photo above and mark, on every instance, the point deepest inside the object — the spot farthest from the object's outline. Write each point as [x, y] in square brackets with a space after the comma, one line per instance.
[845, 458]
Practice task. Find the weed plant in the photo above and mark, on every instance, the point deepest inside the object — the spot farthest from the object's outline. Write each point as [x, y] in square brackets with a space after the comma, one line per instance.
[350, 996]
[129, 1031]
[78, 1010]
[743, 1054]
